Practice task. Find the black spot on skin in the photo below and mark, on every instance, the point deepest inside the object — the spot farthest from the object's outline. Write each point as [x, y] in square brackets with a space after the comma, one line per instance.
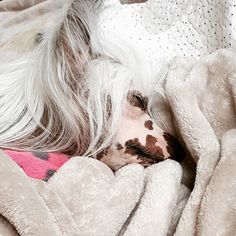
[154, 149]
[132, 146]
[41, 155]
[136, 99]
[148, 124]
[119, 146]
[38, 38]
[49, 174]
[103, 153]
[150, 153]
[174, 148]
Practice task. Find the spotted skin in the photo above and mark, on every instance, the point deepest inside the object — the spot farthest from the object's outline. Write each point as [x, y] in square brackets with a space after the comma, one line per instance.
[139, 139]
[103, 153]
[148, 151]
[148, 124]
[119, 146]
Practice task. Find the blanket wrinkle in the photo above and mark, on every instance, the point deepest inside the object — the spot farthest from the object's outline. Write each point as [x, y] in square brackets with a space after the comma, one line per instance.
[183, 197]
[217, 190]
[57, 208]
[165, 177]
[100, 191]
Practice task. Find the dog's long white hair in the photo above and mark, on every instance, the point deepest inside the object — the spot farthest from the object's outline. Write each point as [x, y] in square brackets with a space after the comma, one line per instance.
[67, 95]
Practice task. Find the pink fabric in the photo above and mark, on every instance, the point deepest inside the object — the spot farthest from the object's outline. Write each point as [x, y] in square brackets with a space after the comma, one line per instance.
[38, 165]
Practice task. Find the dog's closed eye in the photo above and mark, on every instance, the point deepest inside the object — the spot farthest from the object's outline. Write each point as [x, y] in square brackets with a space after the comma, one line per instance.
[136, 99]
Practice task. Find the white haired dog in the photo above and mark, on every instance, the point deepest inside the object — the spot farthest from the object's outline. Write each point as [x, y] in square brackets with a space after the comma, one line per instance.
[81, 94]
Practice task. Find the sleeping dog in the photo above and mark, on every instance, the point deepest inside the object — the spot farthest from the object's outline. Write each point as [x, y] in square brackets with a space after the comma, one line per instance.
[82, 94]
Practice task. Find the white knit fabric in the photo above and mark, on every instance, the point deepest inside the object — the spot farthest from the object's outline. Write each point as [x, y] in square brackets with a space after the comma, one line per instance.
[167, 28]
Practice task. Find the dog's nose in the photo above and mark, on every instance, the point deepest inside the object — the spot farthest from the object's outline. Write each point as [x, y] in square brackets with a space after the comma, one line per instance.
[174, 148]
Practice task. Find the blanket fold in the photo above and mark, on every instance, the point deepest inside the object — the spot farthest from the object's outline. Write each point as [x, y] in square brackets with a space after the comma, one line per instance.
[90, 195]
[203, 146]
[164, 177]
[202, 100]
[218, 204]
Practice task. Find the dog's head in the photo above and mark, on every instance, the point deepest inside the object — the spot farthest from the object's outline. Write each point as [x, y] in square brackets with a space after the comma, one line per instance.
[61, 84]
[139, 139]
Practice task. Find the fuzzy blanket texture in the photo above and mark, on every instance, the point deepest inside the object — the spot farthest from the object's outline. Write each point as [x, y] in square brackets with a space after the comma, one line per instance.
[85, 198]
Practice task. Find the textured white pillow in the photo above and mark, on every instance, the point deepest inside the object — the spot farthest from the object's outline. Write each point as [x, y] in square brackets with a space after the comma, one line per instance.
[166, 28]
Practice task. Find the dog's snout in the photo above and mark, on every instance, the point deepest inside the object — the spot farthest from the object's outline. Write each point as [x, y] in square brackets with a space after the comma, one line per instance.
[148, 151]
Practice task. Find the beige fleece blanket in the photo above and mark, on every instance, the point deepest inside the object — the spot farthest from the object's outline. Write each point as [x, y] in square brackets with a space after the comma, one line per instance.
[85, 198]
[202, 95]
